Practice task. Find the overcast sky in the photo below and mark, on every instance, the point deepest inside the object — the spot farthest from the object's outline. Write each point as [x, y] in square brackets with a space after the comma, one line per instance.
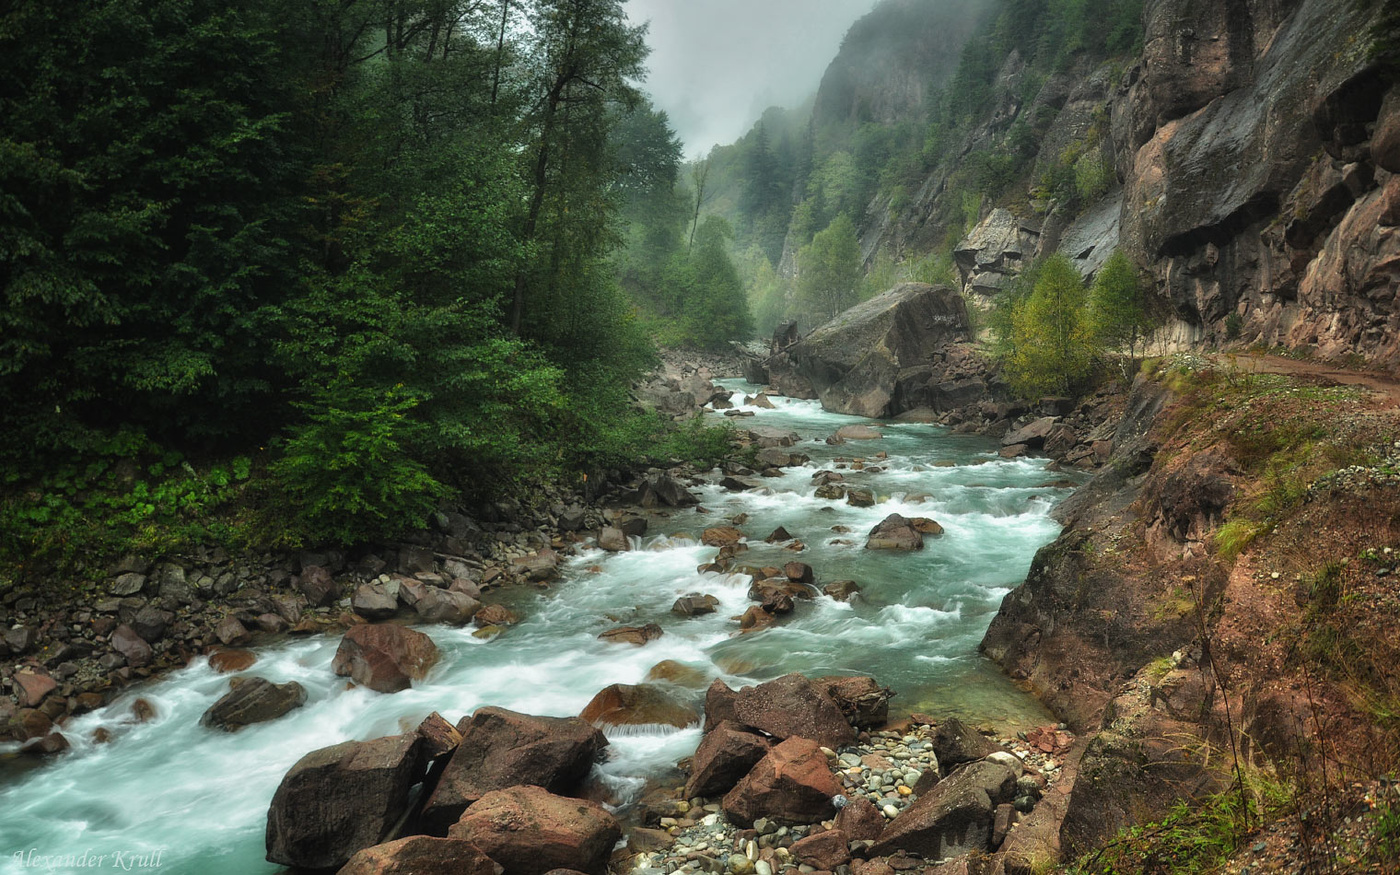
[717, 64]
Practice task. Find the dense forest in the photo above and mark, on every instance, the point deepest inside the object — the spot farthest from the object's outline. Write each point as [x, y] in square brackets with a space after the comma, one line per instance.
[362, 254]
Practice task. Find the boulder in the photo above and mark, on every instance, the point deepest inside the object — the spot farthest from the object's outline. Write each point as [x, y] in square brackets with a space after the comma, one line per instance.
[132, 646]
[130, 583]
[721, 536]
[501, 749]
[540, 566]
[373, 602]
[778, 536]
[613, 539]
[494, 615]
[385, 658]
[530, 831]
[860, 497]
[755, 619]
[734, 484]
[316, 585]
[792, 784]
[873, 360]
[860, 820]
[859, 433]
[677, 673]
[439, 736]
[726, 754]
[861, 699]
[227, 660]
[341, 799]
[422, 855]
[636, 635]
[446, 606]
[231, 632]
[719, 705]
[663, 490]
[33, 688]
[955, 742]
[799, 572]
[926, 526]
[793, 706]
[48, 745]
[841, 590]
[823, 851]
[778, 457]
[694, 605]
[637, 705]
[955, 817]
[151, 623]
[895, 532]
[1032, 435]
[252, 700]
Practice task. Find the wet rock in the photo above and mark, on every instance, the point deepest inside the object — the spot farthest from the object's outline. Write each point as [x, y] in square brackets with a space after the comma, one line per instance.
[778, 536]
[954, 818]
[531, 831]
[341, 799]
[926, 526]
[830, 491]
[232, 633]
[694, 605]
[719, 705]
[955, 742]
[726, 754]
[677, 673]
[422, 855]
[47, 745]
[791, 784]
[859, 433]
[860, 498]
[252, 700]
[316, 585]
[613, 539]
[755, 619]
[385, 658]
[637, 705]
[823, 851]
[30, 723]
[540, 566]
[864, 703]
[374, 602]
[841, 590]
[446, 606]
[721, 536]
[494, 615]
[860, 820]
[799, 572]
[734, 484]
[132, 646]
[501, 749]
[636, 635]
[793, 706]
[895, 532]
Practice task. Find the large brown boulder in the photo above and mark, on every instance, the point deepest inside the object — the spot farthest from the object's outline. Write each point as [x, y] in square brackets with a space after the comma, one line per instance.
[252, 700]
[340, 799]
[823, 851]
[385, 658]
[374, 602]
[791, 784]
[895, 532]
[530, 831]
[637, 705]
[663, 490]
[132, 646]
[793, 706]
[861, 699]
[953, 818]
[445, 606]
[725, 755]
[874, 359]
[422, 855]
[719, 704]
[955, 743]
[635, 635]
[316, 584]
[502, 749]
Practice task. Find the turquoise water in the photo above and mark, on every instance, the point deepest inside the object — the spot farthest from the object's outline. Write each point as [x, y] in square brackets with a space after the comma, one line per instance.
[200, 798]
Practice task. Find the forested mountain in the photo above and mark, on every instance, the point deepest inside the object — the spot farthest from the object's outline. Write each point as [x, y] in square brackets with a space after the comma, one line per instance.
[366, 247]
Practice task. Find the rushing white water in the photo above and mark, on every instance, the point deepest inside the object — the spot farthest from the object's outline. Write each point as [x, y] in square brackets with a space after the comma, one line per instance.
[199, 798]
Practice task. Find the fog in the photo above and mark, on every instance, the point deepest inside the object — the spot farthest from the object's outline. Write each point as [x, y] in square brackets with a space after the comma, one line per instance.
[715, 65]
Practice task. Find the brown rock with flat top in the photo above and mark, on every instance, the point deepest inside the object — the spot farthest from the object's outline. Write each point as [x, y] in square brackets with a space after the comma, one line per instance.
[823, 851]
[341, 799]
[446, 606]
[439, 736]
[860, 820]
[227, 660]
[864, 703]
[252, 700]
[955, 743]
[721, 536]
[132, 646]
[726, 754]
[373, 602]
[792, 784]
[793, 706]
[613, 540]
[33, 688]
[895, 532]
[637, 705]
[954, 818]
[636, 635]
[500, 749]
[422, 855]
[719, 705]
[531, 831]
[385, 658]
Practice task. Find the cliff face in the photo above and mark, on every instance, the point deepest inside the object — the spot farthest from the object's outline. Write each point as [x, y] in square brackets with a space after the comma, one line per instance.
[1254, 147]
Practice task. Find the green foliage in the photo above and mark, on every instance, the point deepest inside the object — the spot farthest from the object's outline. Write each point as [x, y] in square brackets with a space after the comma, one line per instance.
[1051, 346]
[1117, 306]
[697, 443]
[829, 272]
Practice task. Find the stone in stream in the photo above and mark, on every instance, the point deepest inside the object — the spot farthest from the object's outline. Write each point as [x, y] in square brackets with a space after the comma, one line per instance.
[531, 831]
[635, 635]
[860, 498]
[725, 755]
[895, 532]
[719, 705]
[694, 605]
[637, 705]
[385, 658]
[1033, 435]
[778, 536]
[926, 526]
[721, 536]
[446, 606]
[792, 784]
[859, 433]
[341, 799]
[861, 699]
[677, 673]
[734, 484]
[494, 615]
[799, 572]
[252, 700]
[439, 736]
[502, 749]
[841, 590]
[831, 491]
[422, 855]
[613, 540]
[955, 817]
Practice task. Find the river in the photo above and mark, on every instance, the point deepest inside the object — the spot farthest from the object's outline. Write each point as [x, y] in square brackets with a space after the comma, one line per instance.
[199, 798]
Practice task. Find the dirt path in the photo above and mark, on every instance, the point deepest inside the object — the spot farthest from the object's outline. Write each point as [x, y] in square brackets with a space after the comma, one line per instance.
[1326, 374]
